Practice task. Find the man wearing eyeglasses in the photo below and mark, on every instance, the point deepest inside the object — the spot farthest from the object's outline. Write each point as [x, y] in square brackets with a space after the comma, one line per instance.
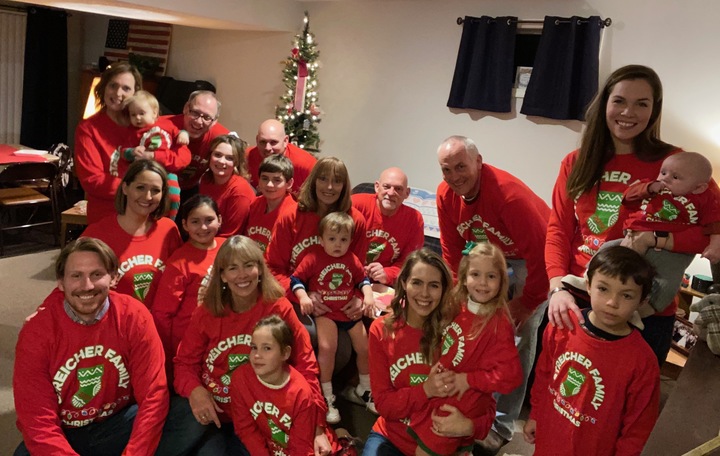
[272, 139]
[199, 119]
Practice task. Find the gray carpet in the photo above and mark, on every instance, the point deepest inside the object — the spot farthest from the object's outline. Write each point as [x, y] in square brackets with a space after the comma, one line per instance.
[25, 281]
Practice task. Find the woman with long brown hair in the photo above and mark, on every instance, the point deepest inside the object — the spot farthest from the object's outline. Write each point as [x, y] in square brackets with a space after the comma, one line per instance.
[97, 137]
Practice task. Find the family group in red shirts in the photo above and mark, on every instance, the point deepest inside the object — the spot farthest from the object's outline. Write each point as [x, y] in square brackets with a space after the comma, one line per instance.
[160, 343]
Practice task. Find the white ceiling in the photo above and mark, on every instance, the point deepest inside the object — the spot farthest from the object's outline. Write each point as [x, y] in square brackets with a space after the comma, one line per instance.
[258, 15]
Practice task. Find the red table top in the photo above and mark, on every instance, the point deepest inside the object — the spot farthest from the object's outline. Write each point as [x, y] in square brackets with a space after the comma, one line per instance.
[7, 157]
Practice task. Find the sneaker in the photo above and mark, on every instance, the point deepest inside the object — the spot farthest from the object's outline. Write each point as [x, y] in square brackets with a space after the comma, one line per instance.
[357, 396]
[333, 415]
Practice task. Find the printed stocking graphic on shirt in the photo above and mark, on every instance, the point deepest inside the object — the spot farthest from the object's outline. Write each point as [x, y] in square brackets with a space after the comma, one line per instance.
[336, 280]
[374, 251]
[416, 379]
[479, 234]
[606, 211]
[573, 383]
[90, 379]
[141, 284]
[278, 435]
[154, 143]
[114, 158]
[153, 138]
[668, 212]
[234, 360]
[447, 344]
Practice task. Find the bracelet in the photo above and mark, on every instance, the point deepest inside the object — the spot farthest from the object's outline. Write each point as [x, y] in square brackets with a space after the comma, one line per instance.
[555, 290]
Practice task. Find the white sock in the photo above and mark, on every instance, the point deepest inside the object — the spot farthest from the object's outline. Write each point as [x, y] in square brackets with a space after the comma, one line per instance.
[364, 384]
[326, 389]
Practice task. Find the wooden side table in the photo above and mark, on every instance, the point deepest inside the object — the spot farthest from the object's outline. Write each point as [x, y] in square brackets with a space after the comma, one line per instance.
[685, 297]
[73, 216]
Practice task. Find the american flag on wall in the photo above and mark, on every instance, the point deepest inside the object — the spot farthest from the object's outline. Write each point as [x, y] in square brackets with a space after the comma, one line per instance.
[149, 39]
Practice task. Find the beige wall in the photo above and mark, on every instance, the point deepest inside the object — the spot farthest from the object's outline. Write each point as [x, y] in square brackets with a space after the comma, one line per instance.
[387, 68]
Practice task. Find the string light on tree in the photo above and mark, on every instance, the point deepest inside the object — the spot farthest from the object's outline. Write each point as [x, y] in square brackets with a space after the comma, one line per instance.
[298, 108]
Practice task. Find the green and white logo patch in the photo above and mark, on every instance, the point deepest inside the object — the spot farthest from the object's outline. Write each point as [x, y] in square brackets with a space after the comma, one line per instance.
[278, 435]
[90, 379]
[141, 284]
[668, 211]
[573, 383]
[448, 342]
[417, 379]
[336, 280]
[374, 251]
[234, 360]
[606, 212]
[479, 234]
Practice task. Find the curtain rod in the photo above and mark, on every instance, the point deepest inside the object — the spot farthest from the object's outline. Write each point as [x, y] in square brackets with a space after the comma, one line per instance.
[13, 9]
[607, 22]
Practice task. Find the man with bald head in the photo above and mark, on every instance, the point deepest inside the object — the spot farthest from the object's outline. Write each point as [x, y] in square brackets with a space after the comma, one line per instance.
[394, 229]
[200, 119]
[480, 203]
[272, 139]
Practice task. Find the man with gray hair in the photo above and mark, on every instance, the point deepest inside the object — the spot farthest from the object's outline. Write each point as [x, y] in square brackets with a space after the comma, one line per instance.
[200, 119]
[480, 203]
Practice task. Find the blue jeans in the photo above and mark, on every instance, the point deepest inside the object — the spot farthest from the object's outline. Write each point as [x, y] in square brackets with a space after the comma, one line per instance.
[510, 405]
[110, 437]
[378, 445]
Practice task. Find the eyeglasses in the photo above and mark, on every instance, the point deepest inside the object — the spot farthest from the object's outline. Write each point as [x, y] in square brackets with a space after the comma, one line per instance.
[195, 115]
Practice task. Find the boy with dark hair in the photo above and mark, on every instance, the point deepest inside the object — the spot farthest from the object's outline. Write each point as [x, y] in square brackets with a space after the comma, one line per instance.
[275, 182]
[597, 385]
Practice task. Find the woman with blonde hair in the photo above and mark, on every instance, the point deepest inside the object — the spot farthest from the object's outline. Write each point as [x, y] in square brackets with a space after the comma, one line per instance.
[240, 293]
[326, 190]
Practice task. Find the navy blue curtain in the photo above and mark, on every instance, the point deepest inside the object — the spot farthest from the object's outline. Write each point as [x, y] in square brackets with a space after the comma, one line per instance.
[484, 70]
[565, 74]
[45, 81]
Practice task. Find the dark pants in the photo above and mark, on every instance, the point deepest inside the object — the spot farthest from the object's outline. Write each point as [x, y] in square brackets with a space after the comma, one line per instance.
[658, 334]
[221, 442]
[110, 437]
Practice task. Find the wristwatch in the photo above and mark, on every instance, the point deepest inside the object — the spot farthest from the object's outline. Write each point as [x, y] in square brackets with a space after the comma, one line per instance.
[661, 238]
[555, 290]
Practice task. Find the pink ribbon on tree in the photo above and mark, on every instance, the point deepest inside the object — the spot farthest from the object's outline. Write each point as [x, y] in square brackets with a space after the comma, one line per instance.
[300, 86]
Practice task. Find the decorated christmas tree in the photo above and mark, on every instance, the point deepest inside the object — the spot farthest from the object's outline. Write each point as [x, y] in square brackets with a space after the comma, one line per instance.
[298, 108]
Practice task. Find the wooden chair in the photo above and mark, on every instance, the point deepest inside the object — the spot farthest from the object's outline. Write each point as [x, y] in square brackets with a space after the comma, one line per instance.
[27, 185]
[73, 216]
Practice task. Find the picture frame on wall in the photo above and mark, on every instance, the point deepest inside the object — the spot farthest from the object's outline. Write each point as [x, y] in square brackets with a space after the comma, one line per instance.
[522, 77]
